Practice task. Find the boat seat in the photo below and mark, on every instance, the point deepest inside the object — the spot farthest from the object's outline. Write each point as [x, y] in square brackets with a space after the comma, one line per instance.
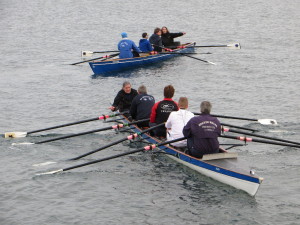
[228, 155]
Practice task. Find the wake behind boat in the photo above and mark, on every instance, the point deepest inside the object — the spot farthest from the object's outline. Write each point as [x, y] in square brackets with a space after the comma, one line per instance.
[116, 65]
[222, 167]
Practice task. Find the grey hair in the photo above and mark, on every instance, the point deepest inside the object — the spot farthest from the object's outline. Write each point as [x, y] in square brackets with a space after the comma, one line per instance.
[205, 107]
[126, 83]
[142, 89]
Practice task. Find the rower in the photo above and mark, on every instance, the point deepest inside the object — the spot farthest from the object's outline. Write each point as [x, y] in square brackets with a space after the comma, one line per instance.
[126, 46]
[144, 44]
[202, 132]
[176, 121]
[155, 40]
[161, 111]
[122, 101]
[141, 106]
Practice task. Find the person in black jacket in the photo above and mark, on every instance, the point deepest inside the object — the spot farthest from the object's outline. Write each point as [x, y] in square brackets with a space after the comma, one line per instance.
[168, 38]
[124, 98]
[155, 40]
[141, 106]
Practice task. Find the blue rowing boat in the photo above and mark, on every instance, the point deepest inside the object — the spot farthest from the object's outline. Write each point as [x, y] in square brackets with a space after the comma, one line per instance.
[116, 65]
[223, 167]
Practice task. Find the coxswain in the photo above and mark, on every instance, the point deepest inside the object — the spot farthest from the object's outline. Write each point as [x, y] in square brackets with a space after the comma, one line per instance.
[127, 47]
[141, 106]
[161, 111]
[168, 38]
[123, 100]
[202, 132]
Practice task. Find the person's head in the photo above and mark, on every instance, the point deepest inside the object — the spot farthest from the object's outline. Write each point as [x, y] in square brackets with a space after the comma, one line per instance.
[164, 30]
[205, 107]
[142, 89]
[169, 91]
[183, 103]
[145, 35]
[157, 31]
[127, 87]
[124, 35]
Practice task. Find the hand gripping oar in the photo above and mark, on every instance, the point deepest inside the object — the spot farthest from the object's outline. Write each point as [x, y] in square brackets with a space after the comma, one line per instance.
[261, 121]
[103, 58]
[24, 134]
[247, 139]
[146, 148]
[83, 133]
[258, 135]
[130, 137]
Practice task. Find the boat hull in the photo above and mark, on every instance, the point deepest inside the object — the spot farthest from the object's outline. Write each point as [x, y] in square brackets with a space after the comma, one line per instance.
[222, 170]
[117, 65]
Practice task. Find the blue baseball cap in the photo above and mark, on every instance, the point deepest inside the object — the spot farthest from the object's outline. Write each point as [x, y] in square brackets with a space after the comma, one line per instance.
[124, 35]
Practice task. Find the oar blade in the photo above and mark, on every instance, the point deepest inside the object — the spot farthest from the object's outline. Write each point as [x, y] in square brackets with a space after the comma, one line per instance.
[51, 172]
[15, 134]
[235, 46]
[267, 121]
[23, 143]
[85, 54]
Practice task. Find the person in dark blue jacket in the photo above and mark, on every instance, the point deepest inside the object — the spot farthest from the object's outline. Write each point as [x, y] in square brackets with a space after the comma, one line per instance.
[141, 106]
[144, 44]
[155, 40]
[126, 46]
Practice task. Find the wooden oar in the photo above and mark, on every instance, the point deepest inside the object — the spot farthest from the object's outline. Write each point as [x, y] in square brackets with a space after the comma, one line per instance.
[247, 139]
[102, 57]
[146, 148]
[24, 134]
[258, 135]
[83, 133]
[261, 121]
[130, 137]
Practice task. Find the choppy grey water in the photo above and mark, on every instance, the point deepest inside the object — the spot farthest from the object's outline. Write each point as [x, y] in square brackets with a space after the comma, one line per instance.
[38, 88]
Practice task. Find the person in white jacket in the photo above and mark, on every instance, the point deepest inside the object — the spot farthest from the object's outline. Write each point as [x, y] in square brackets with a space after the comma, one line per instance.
[176, 121]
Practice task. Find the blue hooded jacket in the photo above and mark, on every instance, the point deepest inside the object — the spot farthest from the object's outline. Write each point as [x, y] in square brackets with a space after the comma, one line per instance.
[125, 46]
[145, 45]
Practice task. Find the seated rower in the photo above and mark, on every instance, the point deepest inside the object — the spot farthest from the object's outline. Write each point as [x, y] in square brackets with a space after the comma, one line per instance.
[144, 44]
[168, 38]
[155, 40]
[202, 132]
[141, 106]
[126, 46]
[176, 121]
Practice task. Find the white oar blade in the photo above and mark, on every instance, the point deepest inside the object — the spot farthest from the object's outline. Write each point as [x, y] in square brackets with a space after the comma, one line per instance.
[211, 63]
[15, 134]
[85, 54]
[43, 164]
[23, 143]
[51, 172]
[235, 46]
[267, 121]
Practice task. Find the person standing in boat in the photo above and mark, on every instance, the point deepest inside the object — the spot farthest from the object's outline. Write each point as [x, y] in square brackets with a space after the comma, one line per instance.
[176, 121]
[144, 44]
[156, 41]
[161, 111]
[123, 100]
[141, 106]
[168, 38]
[127, 47]
[202, 132]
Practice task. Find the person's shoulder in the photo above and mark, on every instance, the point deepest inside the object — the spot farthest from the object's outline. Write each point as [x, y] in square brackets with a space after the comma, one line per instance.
[134, 91]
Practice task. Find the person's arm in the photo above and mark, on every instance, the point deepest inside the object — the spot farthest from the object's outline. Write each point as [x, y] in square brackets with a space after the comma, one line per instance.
[133, 108]
[175, 35]
[135, 48]
[116, 102]
[187, 130]
[169, 122]
[149, 47]
[153, 113]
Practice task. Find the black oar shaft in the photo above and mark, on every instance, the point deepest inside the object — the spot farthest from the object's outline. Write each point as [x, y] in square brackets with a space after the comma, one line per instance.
[232, 117]
[262, 136]
[247, 139]
[104, 58]
[243, 128]
[87, 132]
[116, 142]
[63, 125]
[195, 58]
[122, 154]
